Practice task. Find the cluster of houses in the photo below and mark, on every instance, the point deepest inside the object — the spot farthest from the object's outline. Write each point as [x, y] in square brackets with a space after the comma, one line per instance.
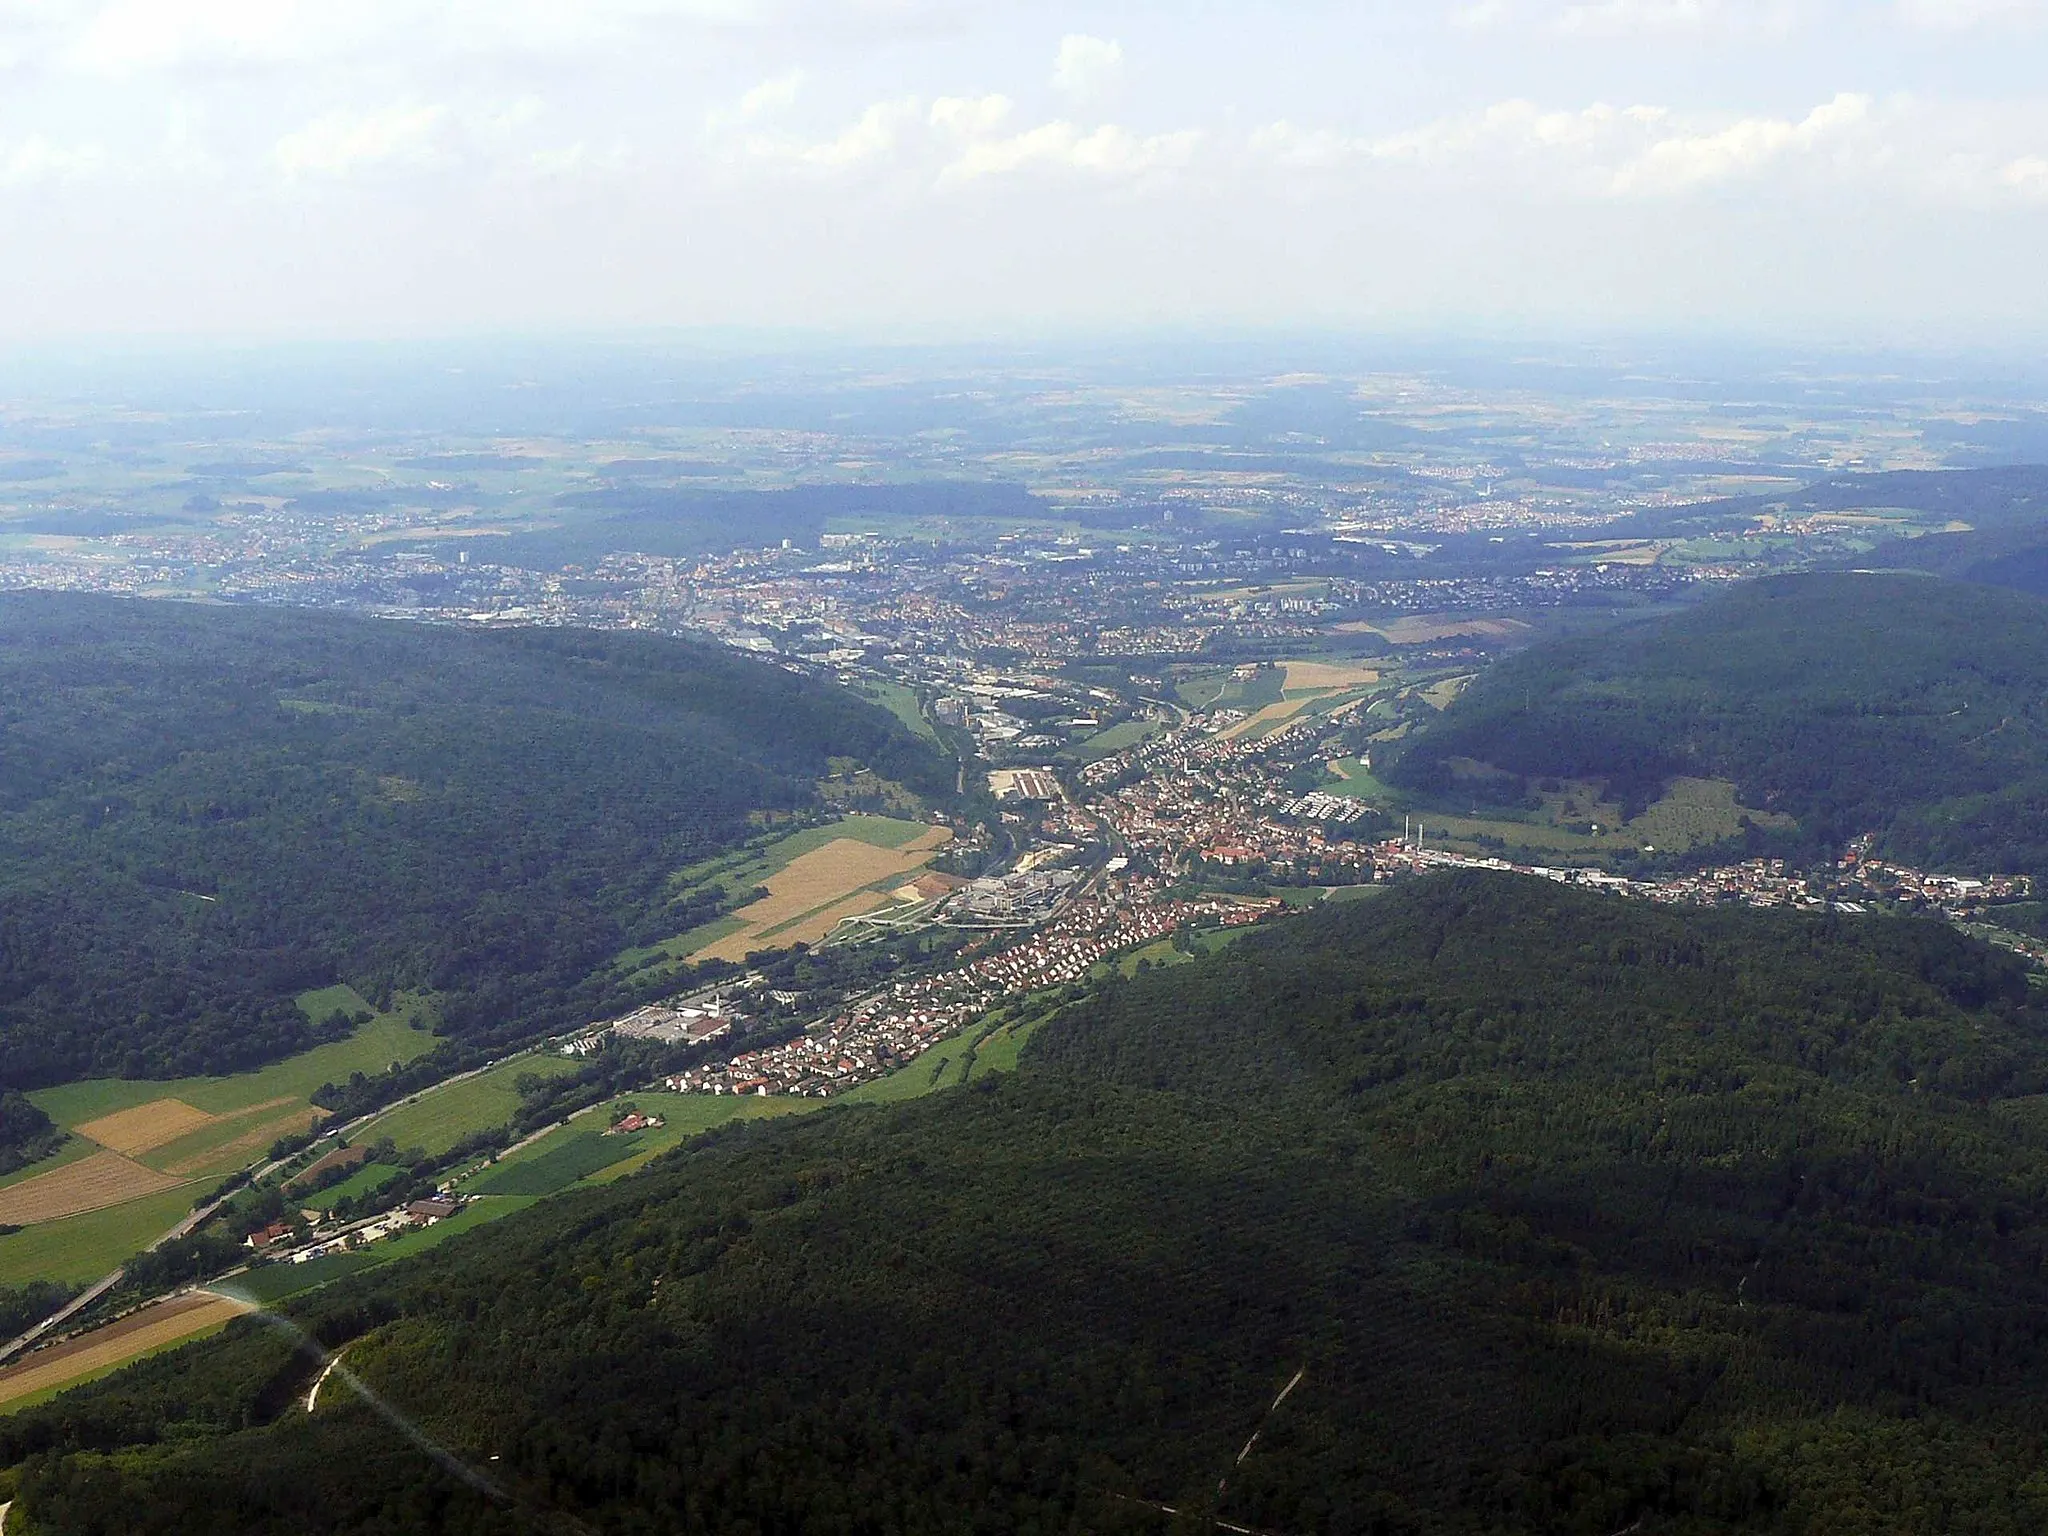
[419, 1213]
[894, 1025]
[1856, 884]
[1200, 796]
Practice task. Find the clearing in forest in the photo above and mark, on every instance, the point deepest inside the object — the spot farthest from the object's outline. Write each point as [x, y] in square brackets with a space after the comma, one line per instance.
[90, 1184]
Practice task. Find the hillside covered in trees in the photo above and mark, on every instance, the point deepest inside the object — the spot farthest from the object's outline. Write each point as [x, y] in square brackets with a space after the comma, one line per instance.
[205, 810]
[1997, 498]
[1909, 706]
[1560, 1214]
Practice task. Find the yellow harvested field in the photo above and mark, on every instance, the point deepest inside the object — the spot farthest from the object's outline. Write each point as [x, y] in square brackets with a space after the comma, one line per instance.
[1274, 714]
[813, 926]
[1325, 674]
[822, 886]
[146, 1125]
[90, 1184]
[152, 1328]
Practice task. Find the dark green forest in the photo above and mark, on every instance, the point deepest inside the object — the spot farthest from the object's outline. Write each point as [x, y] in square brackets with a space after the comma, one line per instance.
[1570, 1214]
[205, 810]
[2011, 557]
[26, 1133]
[1908, 706]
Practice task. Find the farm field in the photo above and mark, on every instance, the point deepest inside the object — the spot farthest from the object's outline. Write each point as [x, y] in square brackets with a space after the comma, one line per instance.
[1159, 952]
[683, 1115]
[104, 1350]
[89, 1184]
[1317, 685]
[362, 1181]
[1355, 781]
[435, 1122]
[1203, 689]
[273, 1282]
[1422, 628]
[1328, 674]
[556, 1162]
[388, 1037]
[943, 1066]
[1441, 693]
[74, 1148]
[810, 894]
[143, 1152]
[86, 1246]
[741, 870]
[147, 1126]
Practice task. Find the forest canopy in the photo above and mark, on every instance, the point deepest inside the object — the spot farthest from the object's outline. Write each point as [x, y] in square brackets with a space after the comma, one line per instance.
[206, 810]
[1564, 1213]
[1911, 707]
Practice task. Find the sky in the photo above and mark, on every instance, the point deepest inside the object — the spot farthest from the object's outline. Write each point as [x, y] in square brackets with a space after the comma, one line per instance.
[1872, 172]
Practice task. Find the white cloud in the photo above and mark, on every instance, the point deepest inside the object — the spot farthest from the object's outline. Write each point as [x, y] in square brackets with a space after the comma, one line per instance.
[35, 159]
[1408, 134]
[1512, 127]
[771, 96]
[1286, 143]
[1106, 151]
[1596, 151]
[1086, 66]
[971, 115]
[1683, 161]
[871, 136]
[343, 143]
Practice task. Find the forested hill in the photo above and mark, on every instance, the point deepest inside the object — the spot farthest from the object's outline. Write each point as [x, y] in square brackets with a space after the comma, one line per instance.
[1909, 706]
[204, 810]
[1995, 499]
[1572, 1214]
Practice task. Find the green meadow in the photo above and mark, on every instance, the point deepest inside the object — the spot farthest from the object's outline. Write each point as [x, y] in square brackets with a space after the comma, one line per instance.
[443, 1116]
[251, 1108]
[401, 1034]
